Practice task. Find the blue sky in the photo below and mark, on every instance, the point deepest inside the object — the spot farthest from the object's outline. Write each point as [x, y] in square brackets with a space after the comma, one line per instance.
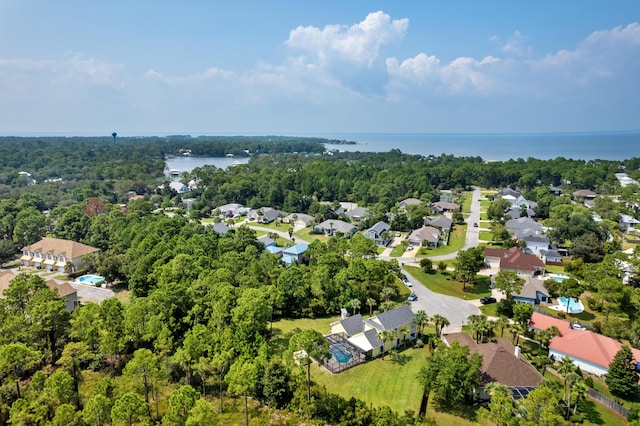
[314, 67]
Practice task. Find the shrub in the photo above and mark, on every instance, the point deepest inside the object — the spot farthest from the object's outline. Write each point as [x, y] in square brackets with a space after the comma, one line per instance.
[505, 307]
[589, 381]
[419, 343]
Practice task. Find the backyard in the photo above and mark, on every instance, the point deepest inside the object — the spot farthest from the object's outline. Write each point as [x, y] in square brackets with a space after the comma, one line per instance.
[444, 283]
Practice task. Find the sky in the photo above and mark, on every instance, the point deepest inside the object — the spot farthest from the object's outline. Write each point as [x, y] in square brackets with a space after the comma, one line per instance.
[290, 67]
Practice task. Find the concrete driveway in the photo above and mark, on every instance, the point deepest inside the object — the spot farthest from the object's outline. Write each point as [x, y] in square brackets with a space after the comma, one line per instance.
[454, 309]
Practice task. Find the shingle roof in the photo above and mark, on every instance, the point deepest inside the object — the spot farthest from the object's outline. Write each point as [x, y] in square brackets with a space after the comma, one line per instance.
[585, 193]
[531, 286]
[441, 222]
[56, 246]
[499, 363]
[514, 259]
[522, 223]
[220, 228]
[428, 233]
[352, 325]
[266, 240]
[395, 318]
[64, 289]
[337, 226]
[379, 227]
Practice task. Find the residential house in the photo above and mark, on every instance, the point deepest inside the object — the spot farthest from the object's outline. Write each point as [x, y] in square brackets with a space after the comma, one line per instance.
[501, 363]
[555, 191]
[365, 333]
[267, 241]
[590, 351]
[441, 222]
[625, 180]
[520, 205]
[627, 222]
[514, 260]
[535, 244]
[523, 226]
[379, 233]
[332, 226]
[402, 206]
[294, 253]
[508, 192]
[220, 228]
[551, 256]
[178, 187]
[357, 214]
[229, 210]
[274, 250]
[440, 207]
[299, 219]
[427, 236]
[533, 291]
[64, 289]
[55, 254]
[585, 194]
[266, 215]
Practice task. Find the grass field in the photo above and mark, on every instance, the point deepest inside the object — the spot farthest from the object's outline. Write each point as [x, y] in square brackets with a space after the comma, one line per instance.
[444, 284]
[485, 235]
[379, 382]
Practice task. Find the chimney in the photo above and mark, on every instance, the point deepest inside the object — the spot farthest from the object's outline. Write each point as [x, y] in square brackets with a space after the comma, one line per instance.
[516, 351]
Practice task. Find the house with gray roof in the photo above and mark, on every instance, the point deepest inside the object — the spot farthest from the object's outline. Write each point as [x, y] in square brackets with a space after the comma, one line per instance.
[332, 226]
[299, 219]
[508, 192]
[444, 206]
[366, 333]
[427, 236]
[551, 256]
[523, 226]
[220, 228]
[266, 215]
[533, 291]
[357, 214]
[442, 222]
[535, 244]
[379, 233]
[408, 202]
[267, 241]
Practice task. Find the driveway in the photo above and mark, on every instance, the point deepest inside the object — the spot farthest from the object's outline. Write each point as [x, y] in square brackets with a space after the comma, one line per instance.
[454, 309]
[91, 293]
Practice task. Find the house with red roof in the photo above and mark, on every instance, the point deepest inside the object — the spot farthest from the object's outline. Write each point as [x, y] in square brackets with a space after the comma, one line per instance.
[590, 351]
[515, 260]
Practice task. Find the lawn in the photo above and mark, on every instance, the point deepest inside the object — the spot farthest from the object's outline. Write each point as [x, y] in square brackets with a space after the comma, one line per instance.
[554, 269]
[445, 284]
[284, 328]
[485, 235]
[391, 382]
[307, 234]
[485, 203]
[490, 310]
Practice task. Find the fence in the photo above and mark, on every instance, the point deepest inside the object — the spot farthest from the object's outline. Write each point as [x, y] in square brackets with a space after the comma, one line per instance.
[607, 402]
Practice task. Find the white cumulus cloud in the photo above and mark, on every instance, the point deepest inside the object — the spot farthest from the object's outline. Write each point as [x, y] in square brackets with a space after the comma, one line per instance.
[358, 44]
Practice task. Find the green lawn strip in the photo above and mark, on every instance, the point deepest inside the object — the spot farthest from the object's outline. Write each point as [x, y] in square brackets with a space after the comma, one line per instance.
[465, 202]
[484, 216]
[490, 310]
[307, 234]
[554, 269]
[397, 251]
[445, 284]
[485, 235]
[485, 203]
[391, 382]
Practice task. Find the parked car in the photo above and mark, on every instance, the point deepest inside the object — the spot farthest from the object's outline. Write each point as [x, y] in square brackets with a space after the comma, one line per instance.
[412, 297]
[398, 234]
[487, 300]
[475, 224]
[577, 326]
[407, 282]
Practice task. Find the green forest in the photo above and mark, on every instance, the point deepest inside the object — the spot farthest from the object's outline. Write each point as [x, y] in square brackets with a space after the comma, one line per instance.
[191, 341]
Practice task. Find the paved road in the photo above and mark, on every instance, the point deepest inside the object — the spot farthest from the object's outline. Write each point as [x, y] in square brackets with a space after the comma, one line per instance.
[454, 309]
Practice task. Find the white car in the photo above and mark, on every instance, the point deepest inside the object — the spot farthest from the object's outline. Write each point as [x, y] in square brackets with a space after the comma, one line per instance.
[577, 326]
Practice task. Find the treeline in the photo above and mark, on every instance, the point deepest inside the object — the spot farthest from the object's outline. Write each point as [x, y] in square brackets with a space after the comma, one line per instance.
[199, 317]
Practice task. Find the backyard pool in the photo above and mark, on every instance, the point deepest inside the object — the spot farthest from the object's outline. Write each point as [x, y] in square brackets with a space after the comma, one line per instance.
[340, 354]
[559, 277]
[90, 279]
[574, 305]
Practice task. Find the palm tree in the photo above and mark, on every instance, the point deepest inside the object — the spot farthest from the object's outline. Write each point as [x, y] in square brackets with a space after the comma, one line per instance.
[475, 322]
[565, 366]
[502, 323]
[571, 378]
[580, 392]
[420, 319]
[440, 322]
[517, 330]
[386, 336]
[388, 293]
[355, 304]
[371, 302]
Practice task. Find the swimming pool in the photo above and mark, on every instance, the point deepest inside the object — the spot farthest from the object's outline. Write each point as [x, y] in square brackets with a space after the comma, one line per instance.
[90, 279]
[575, 306]
[340, 354]
[559, 277]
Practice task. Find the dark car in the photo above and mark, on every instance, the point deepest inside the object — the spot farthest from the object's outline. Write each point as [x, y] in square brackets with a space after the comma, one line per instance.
[487, 300]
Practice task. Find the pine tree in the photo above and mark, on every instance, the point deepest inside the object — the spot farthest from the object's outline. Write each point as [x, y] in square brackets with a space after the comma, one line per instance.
[622, 378]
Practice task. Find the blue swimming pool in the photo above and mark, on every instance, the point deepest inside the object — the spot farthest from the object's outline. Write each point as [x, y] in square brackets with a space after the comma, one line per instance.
[90, 279]
[340, 354]
[574, 304]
